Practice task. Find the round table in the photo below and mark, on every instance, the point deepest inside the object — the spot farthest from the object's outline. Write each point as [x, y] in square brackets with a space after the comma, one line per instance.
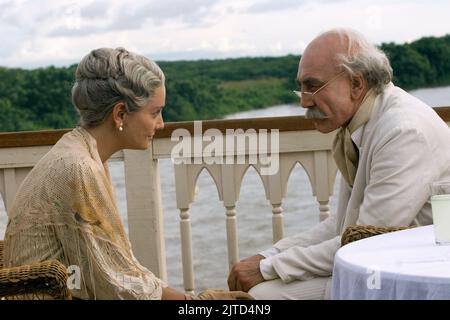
[405, 264]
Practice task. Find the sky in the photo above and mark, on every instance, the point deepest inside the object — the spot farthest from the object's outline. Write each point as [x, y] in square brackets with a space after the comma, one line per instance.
[38, 33]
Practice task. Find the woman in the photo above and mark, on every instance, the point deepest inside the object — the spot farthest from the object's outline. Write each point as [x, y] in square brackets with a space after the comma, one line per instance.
[66, 207]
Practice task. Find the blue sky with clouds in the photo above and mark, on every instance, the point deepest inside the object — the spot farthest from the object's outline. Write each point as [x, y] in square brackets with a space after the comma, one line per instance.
[40, 33]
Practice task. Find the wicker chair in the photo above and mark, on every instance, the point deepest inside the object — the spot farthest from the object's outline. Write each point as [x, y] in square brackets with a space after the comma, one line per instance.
[354, 233]
[44, 280]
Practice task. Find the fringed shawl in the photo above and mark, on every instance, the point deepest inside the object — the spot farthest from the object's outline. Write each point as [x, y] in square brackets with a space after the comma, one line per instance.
[66, 209]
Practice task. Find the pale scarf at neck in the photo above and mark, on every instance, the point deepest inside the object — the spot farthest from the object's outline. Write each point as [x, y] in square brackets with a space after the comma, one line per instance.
[344, 151]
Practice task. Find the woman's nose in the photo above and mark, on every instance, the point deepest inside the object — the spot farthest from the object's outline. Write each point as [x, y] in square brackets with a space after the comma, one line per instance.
[160, 125]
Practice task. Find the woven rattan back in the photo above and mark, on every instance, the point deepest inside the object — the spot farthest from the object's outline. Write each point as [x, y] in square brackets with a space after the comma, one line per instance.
[354, 233]
[44, 280]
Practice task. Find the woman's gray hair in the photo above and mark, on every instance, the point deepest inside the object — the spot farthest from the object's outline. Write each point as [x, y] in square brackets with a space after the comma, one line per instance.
[107, 76]
[364, 58]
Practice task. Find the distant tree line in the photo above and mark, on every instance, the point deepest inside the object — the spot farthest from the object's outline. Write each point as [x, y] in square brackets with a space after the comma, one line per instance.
[205, 89]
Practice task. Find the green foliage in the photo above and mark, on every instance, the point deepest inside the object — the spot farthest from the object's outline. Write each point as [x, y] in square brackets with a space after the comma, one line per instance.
[437, 52]
[411, 69]
[36, 99]
[12, 119]
[205, 89]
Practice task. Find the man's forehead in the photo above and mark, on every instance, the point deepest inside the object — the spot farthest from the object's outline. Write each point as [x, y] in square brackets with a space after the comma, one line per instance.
[314, 70]
[319, 57]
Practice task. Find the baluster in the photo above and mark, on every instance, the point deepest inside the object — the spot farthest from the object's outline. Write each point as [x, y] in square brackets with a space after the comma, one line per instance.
[232, 239]
[186, 250]
[144, 210]
[324, 210]
[323, 187]
[277, 222]
[10, 188]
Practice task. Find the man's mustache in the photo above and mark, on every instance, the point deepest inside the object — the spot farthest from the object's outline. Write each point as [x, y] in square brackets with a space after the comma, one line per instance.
[315, 113]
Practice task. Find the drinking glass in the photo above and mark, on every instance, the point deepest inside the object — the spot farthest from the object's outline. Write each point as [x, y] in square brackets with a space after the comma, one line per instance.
[440, 206]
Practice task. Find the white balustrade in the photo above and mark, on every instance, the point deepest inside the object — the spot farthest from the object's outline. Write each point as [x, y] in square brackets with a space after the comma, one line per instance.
[308, 147]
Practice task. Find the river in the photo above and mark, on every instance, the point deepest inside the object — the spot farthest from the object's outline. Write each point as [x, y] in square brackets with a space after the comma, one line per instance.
[253, 210]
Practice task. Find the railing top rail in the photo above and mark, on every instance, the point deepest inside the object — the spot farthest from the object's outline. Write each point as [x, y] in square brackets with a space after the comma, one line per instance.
[290, 123]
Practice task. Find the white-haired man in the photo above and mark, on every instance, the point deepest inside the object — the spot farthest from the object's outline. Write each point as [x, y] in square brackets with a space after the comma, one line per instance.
[389, 147]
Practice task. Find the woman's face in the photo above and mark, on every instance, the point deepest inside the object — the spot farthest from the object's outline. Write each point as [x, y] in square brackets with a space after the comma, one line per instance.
[141, 126]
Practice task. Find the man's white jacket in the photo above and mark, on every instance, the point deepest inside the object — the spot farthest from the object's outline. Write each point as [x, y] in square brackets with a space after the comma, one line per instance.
[403, 148]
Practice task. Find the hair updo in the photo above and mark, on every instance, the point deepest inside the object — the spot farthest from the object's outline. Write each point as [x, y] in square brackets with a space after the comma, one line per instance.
[107, 76]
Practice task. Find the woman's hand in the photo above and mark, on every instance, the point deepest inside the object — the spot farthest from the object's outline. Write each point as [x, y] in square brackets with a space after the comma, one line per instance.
[212, 294]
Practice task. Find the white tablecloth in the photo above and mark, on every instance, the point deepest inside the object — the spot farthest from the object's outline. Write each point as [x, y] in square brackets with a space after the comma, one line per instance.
[400, 265]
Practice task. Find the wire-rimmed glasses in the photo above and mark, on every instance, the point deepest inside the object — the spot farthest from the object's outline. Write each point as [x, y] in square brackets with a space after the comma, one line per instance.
[302, 94]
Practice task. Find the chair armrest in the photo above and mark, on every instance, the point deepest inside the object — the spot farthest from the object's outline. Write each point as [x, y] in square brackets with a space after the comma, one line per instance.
[354, 233]
[44, 279]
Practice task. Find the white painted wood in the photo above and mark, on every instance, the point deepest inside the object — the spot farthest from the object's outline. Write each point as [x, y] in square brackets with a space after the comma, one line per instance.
[309, 148]
[277, 223]
[232, 238]
[10, 180]
[290, 141]
[185, 191]
[275, 187]
[20, 174]
[183, 183]
[21, 156]
[145, 218]
[2, 185]
[186, 176]
[321, 189]
[232, 177]
[10, 187]
[186, 250]
[230, 186]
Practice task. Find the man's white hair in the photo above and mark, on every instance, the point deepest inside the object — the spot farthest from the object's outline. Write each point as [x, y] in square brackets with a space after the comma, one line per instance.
[364, 58]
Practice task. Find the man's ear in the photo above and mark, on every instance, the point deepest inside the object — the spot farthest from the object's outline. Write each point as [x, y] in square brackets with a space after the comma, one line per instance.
[358, 84]
[118, 113]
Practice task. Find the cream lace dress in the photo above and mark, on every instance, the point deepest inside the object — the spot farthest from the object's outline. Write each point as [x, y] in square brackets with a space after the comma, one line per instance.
[66, 209]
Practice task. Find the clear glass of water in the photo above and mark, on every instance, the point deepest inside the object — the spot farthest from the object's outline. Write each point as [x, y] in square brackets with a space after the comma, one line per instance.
[440, 206]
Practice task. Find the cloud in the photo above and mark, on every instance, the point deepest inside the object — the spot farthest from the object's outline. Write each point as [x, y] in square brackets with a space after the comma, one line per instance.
[269, 5]
[17, 25]
[38, 32]
[96, 9]
[11, 41]
[279, 5]
[17, 14]
[192, 12]
[103, 16]
[6, 8]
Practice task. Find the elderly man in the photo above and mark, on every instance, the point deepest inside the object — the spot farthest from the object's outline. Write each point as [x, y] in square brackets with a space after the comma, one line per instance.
[388, 148]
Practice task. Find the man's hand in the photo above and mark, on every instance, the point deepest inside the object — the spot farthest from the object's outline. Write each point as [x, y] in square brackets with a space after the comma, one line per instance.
[245, 274]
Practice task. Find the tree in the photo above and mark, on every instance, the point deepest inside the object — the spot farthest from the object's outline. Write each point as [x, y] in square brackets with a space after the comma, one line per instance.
[411, 69]
[12, 119]
[437, 51]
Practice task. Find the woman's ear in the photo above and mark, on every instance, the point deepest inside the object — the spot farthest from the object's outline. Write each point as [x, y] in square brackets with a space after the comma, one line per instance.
[118, 114]
[358, 86]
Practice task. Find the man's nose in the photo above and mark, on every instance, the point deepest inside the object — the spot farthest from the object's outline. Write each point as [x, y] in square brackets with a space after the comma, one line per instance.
[307, 102]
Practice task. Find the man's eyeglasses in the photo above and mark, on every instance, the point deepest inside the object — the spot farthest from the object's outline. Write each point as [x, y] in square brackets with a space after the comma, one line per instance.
[305, 94]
